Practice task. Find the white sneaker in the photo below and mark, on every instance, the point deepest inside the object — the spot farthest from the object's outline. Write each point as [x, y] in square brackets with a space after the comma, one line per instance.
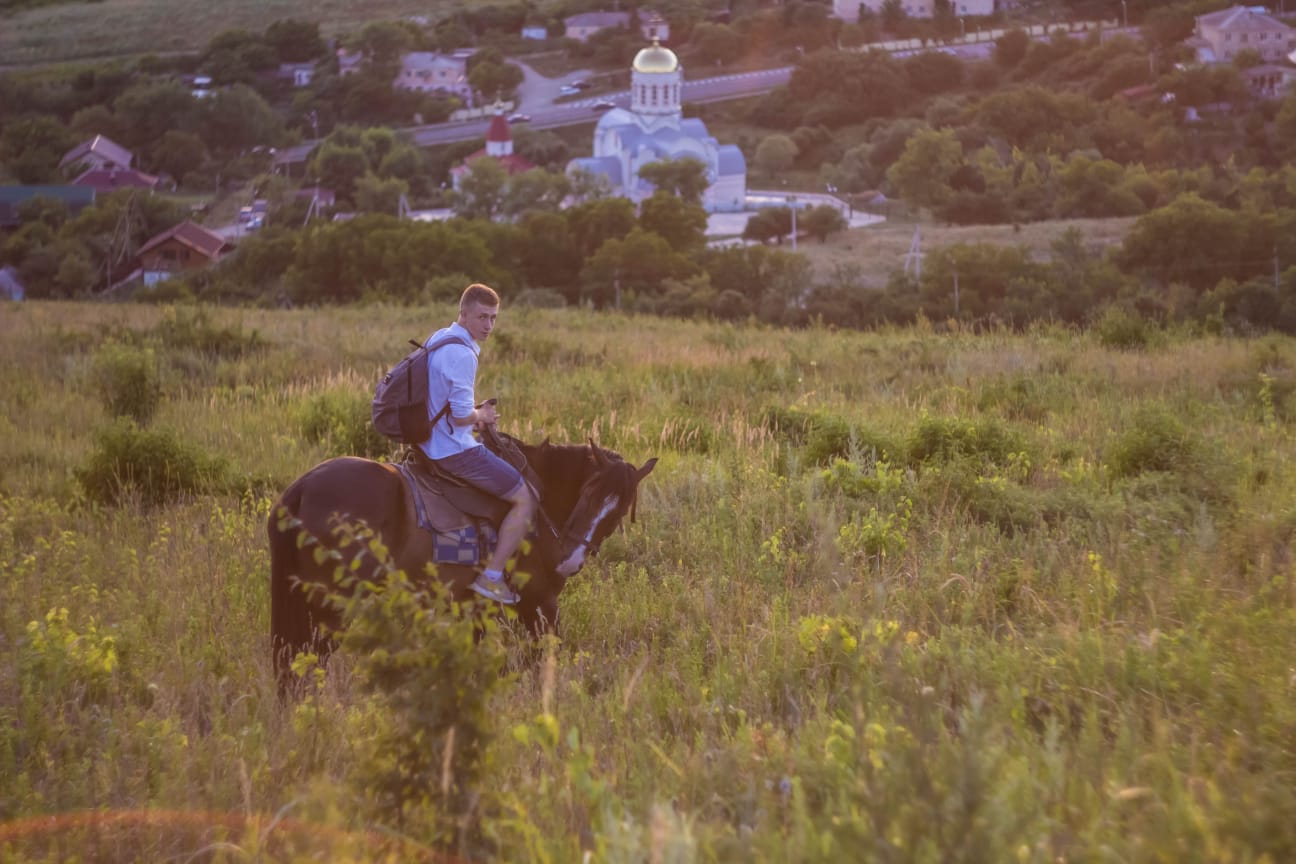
[494, 589]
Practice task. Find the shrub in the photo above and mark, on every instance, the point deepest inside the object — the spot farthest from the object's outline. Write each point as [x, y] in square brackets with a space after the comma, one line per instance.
[948, 439]
[1155, 441]
[341, 421]
[1122, 328]
[156, 466]
[194, 330]
[126, 378]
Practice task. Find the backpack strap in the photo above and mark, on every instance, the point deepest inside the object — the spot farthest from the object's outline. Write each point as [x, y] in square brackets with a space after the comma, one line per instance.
[445, 409]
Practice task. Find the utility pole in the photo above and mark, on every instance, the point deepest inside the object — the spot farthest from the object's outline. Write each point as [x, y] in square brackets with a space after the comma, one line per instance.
[914, 256]
[793, 201]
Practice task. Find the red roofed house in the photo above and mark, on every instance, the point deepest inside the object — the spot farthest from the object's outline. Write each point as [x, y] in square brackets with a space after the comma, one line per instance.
[98, 152]
[105, 180]
[187, 246]
[499, 146]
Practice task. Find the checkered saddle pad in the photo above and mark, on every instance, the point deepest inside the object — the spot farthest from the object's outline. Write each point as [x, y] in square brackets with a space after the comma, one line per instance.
[461, 519]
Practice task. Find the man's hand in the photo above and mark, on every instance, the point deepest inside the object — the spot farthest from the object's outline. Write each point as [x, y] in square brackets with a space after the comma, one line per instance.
[486, 414]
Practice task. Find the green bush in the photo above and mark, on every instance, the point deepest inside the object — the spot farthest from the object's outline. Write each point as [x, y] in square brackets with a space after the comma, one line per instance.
[156, 466]
[341, 421]
[1155, 441]
[126, 378]
[947, 439]
[1122, 328]
[194, 330]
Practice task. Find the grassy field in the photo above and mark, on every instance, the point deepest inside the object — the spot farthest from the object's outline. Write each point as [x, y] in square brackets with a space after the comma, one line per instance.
[879, 250]
[113, 28]
[895, 596]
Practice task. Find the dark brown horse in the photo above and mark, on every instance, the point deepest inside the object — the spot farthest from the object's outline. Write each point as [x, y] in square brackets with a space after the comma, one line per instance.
[585, 492]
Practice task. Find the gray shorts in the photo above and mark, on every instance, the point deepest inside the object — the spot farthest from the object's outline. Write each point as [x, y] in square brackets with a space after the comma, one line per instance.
[483, 469]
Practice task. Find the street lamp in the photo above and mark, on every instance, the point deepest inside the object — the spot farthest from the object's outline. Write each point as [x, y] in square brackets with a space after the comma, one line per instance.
[1124, 15]
[962, 30]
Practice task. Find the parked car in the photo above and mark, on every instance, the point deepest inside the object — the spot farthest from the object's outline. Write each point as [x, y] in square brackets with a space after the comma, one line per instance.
[568, 90]
[603, 105]
[580, 84]
[519, 118]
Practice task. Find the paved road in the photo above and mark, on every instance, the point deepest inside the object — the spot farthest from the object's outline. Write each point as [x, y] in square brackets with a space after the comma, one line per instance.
[536, 99]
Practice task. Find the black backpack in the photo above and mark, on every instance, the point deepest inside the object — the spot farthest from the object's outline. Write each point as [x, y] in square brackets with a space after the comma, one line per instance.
[400, 409]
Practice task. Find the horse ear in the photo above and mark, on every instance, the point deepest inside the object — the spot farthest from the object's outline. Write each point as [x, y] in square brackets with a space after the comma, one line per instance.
[599, 456]
[647, 468]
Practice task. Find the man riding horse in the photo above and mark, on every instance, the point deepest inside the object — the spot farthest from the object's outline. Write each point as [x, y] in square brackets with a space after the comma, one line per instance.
[452, 448]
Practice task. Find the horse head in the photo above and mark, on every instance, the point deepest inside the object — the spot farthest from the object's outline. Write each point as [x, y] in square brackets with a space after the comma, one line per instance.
[609, 491]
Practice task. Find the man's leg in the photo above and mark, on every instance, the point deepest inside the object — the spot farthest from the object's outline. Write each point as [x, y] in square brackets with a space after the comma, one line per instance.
[513, 527]
[488, 472]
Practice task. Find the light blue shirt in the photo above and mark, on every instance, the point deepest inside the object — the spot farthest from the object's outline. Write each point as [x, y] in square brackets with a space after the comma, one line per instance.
[452, 374]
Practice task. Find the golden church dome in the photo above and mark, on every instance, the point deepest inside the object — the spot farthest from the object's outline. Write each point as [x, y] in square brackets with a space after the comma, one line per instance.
[655, 58]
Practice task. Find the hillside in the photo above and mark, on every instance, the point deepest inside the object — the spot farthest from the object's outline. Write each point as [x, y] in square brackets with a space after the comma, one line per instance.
[889, 596]
[125, 28]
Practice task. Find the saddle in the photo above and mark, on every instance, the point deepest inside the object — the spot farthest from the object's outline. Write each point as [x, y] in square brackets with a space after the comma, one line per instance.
[461, 518]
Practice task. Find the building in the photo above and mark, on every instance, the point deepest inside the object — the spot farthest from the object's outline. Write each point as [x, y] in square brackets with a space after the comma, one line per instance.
[580, 27]
[1269, 80]
[499, 146]
[849, 10]
[105, 180]
[99, 152]
[430, 72]
[654, 128]
[299, 74]
[1221, 36]
[185, 247]
[537, 32]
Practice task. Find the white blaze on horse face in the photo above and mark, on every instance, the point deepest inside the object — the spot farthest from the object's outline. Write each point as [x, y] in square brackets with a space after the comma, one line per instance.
[576, 560]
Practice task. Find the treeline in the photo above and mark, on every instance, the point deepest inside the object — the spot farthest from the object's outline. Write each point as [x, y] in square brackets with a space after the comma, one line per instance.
[1192, 260]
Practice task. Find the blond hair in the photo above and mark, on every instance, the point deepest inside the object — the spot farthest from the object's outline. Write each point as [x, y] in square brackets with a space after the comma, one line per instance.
[482, 295]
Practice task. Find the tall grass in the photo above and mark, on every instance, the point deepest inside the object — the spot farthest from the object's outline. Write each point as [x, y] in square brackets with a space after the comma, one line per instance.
[894, 596]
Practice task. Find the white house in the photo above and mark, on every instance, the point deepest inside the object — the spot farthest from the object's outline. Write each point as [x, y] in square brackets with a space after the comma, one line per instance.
[429, 72]
[1221, 36]
[849, 10]
[654, 128]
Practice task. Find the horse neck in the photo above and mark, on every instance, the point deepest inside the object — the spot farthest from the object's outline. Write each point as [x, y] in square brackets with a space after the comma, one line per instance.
[563, 470]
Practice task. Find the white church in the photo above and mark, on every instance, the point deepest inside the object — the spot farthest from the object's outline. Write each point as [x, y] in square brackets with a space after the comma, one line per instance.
[654, 128]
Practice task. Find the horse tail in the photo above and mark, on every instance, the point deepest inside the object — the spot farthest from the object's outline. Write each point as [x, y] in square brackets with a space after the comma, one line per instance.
[290, 619]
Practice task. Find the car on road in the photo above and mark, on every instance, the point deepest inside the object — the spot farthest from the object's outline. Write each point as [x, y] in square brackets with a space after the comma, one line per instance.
[580, 84]
[603, 105]
[519, 118]
[568, 90]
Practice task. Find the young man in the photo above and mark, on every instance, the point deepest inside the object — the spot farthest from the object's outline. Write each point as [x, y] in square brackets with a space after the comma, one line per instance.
[452, 375]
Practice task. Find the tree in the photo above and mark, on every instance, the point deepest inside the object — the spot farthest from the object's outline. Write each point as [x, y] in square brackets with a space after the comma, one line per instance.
[775, 154]
[632, 266]
[481, 190]
[549, 254]
[374, 194]
[178, 154]
[715, 43]
[922, 173]
[495, 80]
[1010, 48]
[338, 167]
[536, 189]
[32, 146]
[295, 41]
[685, 176]
[595, 222]
[769, 223]
[683, 224]
[822, 221]
[148, 110]
[238, 119]
[1191, 241]
[932, 72]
